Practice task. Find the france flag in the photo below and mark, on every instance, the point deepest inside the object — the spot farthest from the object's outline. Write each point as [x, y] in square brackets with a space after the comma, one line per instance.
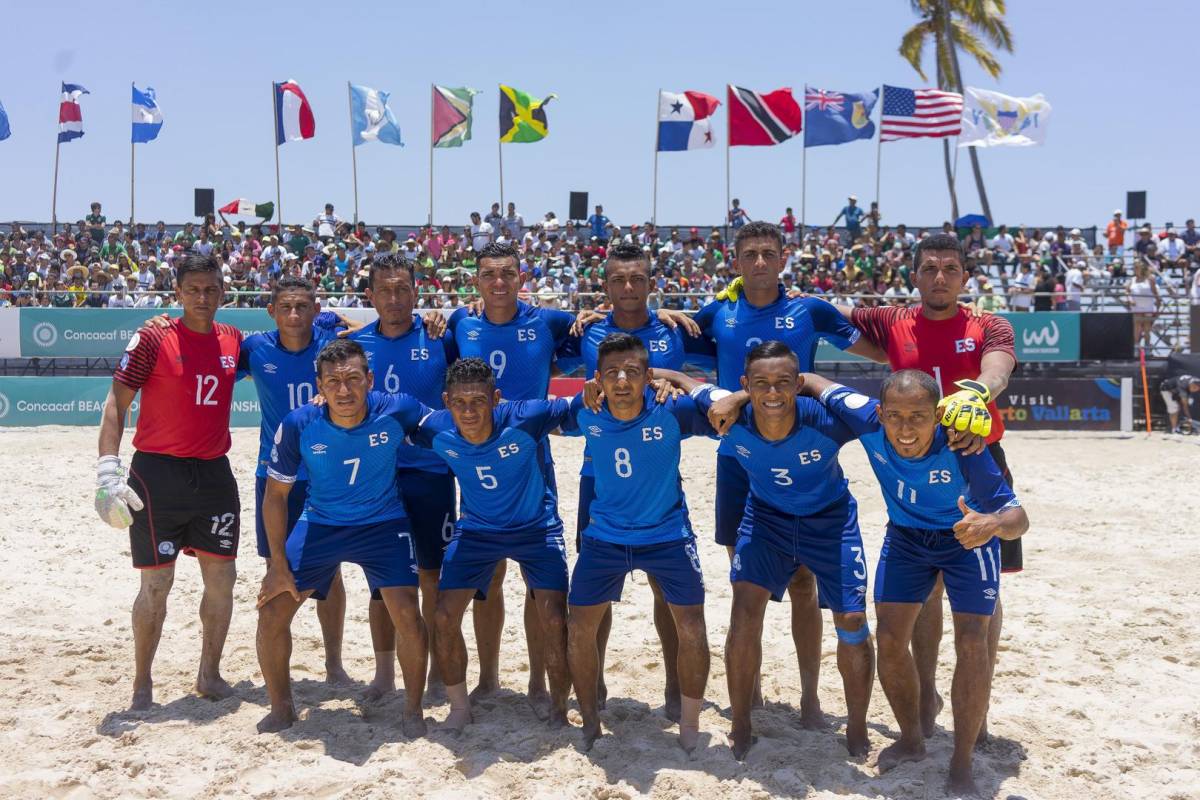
[684, 120]
[147, 118]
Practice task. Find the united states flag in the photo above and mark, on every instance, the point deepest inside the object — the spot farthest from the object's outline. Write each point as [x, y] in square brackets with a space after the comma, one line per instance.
[909, 113]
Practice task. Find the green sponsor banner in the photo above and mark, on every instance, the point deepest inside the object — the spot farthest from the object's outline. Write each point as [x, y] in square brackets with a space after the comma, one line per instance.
[100, 332]
[827, 353]
[1046, 335]
[28, 402]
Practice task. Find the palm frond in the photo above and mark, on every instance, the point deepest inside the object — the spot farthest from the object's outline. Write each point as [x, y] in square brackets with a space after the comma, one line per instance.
[912, 46]
[969, 43]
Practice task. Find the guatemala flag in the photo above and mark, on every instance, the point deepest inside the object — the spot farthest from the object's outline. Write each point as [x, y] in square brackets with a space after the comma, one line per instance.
[147, 119]
[837, 117]
[70, 118]
[370, 118]
[684, 120]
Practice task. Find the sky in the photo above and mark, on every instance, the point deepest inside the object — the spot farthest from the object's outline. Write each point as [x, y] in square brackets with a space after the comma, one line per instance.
[1121, 84]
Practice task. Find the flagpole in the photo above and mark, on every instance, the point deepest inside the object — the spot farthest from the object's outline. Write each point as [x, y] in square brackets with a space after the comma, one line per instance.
[432, 90]
[500, 153]
[275, 139]
[353, 149]
[728, 129]
[654, 195]
[803, 165]
[879, 157]
[132, 152]
[54, 192]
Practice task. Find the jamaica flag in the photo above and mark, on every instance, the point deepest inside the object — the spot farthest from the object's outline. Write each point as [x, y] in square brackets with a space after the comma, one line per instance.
[522, 118]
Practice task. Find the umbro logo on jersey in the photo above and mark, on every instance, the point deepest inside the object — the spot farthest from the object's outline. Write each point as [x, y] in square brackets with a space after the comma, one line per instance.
[594, 430]
[452, 453]
[270, 369]
[730, 322]
[742, 451]
[990, 593]
[319, 449]
[472, 335]
[879, 457]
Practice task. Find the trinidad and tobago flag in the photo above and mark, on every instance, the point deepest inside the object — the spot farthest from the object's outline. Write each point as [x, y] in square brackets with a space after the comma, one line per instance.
[757, 119]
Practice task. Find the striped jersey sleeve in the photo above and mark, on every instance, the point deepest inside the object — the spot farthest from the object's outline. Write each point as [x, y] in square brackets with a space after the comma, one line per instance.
[137, 362]
[997, 335]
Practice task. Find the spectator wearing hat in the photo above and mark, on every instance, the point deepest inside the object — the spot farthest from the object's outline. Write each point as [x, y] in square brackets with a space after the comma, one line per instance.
[326, 223]
[853, 215]
[95, 224]
[1114, 234]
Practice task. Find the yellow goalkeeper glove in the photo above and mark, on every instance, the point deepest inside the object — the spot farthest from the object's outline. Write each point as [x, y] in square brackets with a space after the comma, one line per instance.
[731, 292]
[966, 410]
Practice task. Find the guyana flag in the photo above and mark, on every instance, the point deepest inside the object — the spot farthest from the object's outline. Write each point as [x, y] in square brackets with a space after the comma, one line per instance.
[452, 115]
[522, 118]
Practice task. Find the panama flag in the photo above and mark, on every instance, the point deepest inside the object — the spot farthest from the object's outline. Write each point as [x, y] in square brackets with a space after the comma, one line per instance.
[370, 117]
[684, 120]
[147, 119]
[70, 118]
[293, 115]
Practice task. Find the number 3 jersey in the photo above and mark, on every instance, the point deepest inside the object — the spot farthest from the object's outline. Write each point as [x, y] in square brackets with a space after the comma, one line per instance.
[921, 492]
[639, 496]
[799, 474]
[186, 380]
[351, 471]
[506, 483]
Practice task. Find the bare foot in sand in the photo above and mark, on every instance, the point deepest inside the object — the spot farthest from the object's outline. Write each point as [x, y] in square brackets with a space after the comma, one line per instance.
[898, 753]
[458, 720]
[274, 723]
[929, 712]
[143, 696]
[413, 724]
[335, 675]
[379, 689]
[213, 687]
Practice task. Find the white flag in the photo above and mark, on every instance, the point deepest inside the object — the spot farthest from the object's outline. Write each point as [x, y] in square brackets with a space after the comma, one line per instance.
[991, 119]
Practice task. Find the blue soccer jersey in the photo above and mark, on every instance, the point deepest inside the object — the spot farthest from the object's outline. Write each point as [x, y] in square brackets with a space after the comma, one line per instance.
[664, 344]
[352, 471]
[520, 351]
[284, 380]
[506, 483]
[921, 492]
[798, 475]
[415, 364]
[639, 496]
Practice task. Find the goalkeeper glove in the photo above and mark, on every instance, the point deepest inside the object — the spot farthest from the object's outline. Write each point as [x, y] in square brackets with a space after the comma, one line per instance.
[114, 497]
[966, 410]
[732, 291]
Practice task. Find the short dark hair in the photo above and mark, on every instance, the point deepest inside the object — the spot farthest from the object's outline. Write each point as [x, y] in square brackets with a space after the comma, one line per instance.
[389, 261]
[340, 351]
[468, 371]
[757, 230]
[907, 380]
[499, 250]
[292, 283]
[939, 243]
[621, 343]
[195, 262]
[626, 252]
[771, 349]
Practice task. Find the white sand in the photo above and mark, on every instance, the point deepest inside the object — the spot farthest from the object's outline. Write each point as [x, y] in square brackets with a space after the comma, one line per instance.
[1097, 690]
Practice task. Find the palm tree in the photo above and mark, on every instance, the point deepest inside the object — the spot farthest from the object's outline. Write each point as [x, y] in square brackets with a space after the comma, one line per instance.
[955, 25]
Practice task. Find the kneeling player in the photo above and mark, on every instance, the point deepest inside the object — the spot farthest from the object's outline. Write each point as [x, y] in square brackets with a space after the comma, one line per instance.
[799, 513]
[509, 510]
[947, 514]
[353, 513]
[638, 520]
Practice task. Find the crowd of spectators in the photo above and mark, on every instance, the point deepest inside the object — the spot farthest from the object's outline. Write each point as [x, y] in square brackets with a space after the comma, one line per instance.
[96, 263]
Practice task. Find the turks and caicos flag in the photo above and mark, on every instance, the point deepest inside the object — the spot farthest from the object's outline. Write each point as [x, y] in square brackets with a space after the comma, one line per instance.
[293, 115]
[684, 120]
[70, 118]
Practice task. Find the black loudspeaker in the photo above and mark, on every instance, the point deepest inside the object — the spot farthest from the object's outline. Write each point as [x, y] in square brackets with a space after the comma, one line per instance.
[1135, 205]
[205, 202]
[579, 205]
[1105, 336]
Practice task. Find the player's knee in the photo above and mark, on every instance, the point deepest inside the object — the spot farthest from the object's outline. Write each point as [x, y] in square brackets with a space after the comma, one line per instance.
[971, 634]
[444, 620]
[852, 628]
[553, 616]
[155, 587]
[691, 630]
[891, 641]
[803, 584]
[273, 617]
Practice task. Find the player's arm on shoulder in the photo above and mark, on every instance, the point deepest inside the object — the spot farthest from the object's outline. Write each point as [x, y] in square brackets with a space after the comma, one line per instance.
[407, 410]
[835, 323]
[996, 366]
[585, 317]
[570, 423]
[673, 319]
[855, 410]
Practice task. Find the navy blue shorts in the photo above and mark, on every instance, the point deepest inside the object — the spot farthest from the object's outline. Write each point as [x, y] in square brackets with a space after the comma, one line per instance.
[733, 487]
[587, 493]
[430, 502]
[911, 560]
[773, 545]
[472, 557]
[384, 550]
[295, 503]
[601, 568]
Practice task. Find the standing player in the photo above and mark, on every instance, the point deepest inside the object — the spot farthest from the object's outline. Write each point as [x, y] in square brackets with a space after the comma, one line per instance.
[519, 342]
[638, 520]
[800, 513]
[765, 313]
[353, 512]
[181, 495]
[932, 531]
[627, 282]
[971, 358]
[509, 510]
[407, 357]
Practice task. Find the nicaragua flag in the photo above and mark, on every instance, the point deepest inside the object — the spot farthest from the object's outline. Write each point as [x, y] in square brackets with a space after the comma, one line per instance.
[70, 118]
[370, 118]
[293, 115]
[147, 119]
[684, 120]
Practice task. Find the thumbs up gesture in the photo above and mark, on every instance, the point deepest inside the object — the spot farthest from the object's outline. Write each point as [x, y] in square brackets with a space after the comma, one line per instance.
[974, 529]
